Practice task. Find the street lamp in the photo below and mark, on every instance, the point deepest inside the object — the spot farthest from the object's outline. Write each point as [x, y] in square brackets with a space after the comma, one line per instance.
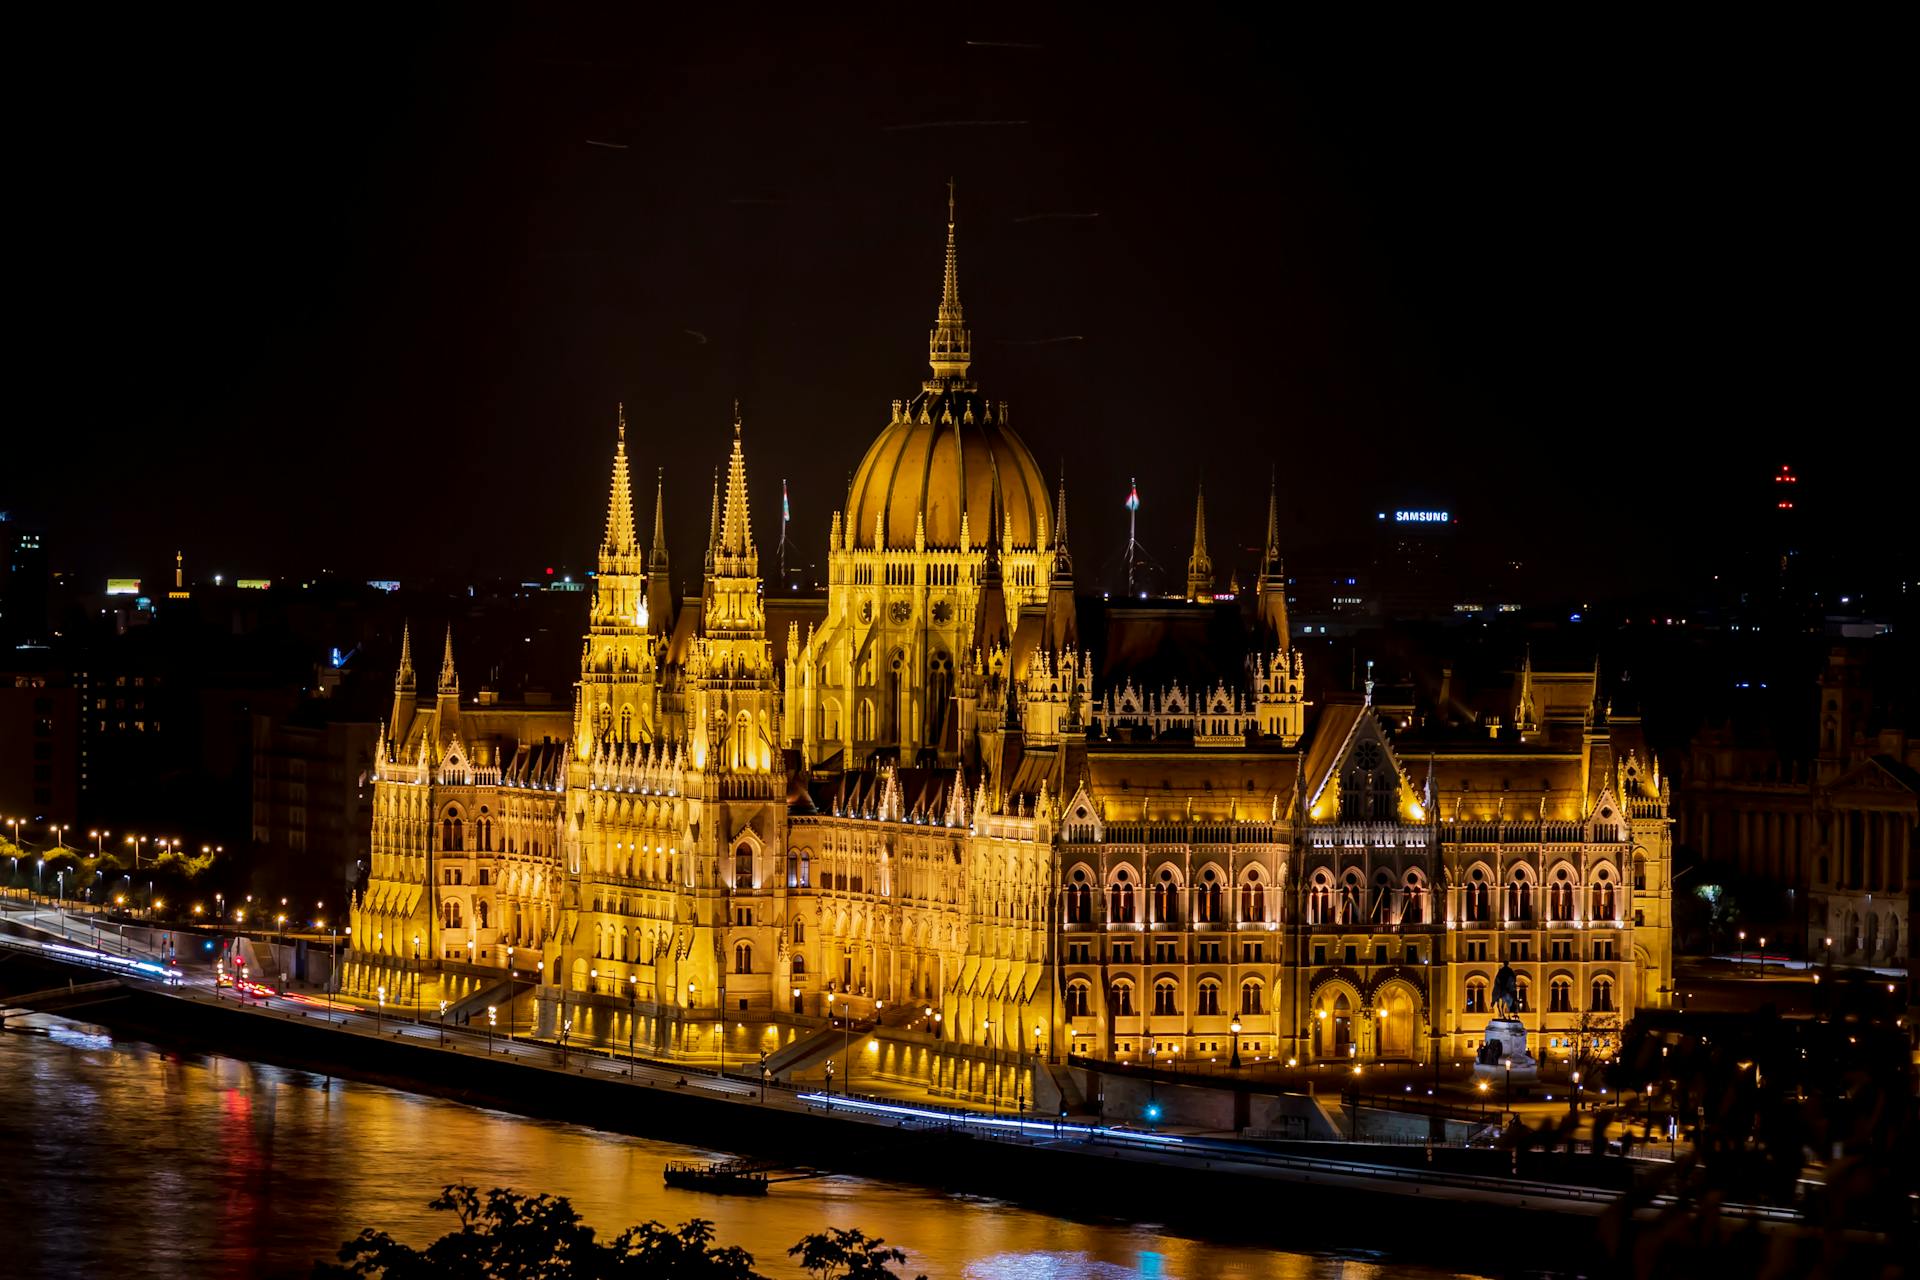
[492, 1021]
[1743, 948]
[379, 1014]
[99, 840]
[633, 1004]
[1763, 956]
[443, 1024]
[993, 1062]
[1508, 1064]
[1234, 1027]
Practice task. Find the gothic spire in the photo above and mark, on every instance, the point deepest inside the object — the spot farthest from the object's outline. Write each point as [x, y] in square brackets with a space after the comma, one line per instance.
[736, 529]
[1199, 564]
[660, 601]
[620, 540]
[950, 347]
[657, 557]
[1062, 558]
[403, 678]
[713, 520]
[449, 678]
[1271, 586]
[1272, 564]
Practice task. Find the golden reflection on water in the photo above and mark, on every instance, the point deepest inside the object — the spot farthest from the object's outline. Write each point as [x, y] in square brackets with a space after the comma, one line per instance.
[135, 1160]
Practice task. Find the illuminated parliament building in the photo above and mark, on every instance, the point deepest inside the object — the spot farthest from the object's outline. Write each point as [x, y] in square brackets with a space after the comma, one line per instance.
[1002, 823]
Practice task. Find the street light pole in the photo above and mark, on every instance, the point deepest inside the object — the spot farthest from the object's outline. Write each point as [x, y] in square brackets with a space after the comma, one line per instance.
[1234, 1027]
[993, 1065]
[633, 1005]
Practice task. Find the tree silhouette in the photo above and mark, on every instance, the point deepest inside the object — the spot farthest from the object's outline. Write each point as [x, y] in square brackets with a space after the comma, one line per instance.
[505, 1236]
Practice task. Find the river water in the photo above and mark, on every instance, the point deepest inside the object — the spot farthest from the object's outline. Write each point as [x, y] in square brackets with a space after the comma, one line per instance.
[119, 1158]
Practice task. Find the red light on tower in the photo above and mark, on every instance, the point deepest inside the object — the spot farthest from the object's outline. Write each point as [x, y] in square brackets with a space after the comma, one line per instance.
[1785, 476]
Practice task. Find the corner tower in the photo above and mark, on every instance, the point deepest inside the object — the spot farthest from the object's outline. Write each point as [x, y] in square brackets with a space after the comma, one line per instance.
[616, 700]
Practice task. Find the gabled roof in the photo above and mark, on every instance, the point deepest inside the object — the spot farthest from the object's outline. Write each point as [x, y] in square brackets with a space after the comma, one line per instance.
[1878, 773]
[1327, 742]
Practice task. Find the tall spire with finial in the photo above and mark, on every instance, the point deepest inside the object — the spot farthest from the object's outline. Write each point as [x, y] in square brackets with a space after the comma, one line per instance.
[1062, 557]
[950, 347]
[736, 529]
[620, 538]
[1199, 563]
[449, 678]
[713, 521]
[660, 601]
[657, 556]
[403, 678]
[1060, 629]
[1271, 587]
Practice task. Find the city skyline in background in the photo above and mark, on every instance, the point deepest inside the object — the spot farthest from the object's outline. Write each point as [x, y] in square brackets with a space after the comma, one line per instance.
[422, 270]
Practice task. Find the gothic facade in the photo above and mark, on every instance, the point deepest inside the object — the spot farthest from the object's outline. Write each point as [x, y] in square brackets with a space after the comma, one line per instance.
[991, 817]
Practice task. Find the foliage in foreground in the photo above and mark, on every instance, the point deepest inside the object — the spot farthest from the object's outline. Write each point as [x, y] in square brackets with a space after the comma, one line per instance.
[504, 1236]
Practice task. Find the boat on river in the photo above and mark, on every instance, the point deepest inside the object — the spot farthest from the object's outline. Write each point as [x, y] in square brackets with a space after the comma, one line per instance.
[727, 1177]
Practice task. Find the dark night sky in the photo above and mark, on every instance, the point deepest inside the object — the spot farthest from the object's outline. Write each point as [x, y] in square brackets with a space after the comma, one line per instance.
[311, 294]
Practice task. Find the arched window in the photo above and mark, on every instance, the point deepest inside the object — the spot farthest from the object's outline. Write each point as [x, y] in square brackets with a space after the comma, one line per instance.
[806, 868]
[1520, 896]
[1377, 910]
[1415, 909]
[1320, 900]
[452, 837]
[1477, 896]
[1561, 899]
[1166, 999]
[799, 965]
[1476, 995]
[1077, 996]
[1121, 997]
[1350, 898]
[743, 958]
[1601, 905]
[1253, 898]
[1166, 896]
[626, 724]
[1079, 899]
[799, 932]
[1602, 995]
[793, 869]
[1209, 1005]
[1206, 903]
[743, 866]
[1560, 996]
[1249, 997]
[1639, 872]
[939, 693]
[1120, 906]
[1521, 987]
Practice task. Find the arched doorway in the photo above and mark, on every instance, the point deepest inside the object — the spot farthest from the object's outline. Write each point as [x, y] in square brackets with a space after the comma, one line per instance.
[1333, 1028]
[1395, 1011]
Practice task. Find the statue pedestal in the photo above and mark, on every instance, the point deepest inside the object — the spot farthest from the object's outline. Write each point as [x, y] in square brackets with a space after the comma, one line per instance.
[1506, 1042]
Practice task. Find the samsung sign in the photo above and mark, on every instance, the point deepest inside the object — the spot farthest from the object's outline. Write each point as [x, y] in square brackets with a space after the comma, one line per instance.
[1422, 517]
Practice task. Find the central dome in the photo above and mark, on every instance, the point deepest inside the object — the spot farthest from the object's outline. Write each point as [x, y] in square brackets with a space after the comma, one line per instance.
[941, 457]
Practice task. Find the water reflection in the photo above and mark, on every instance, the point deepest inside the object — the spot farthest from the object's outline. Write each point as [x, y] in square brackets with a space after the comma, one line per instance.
[124, 1158]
